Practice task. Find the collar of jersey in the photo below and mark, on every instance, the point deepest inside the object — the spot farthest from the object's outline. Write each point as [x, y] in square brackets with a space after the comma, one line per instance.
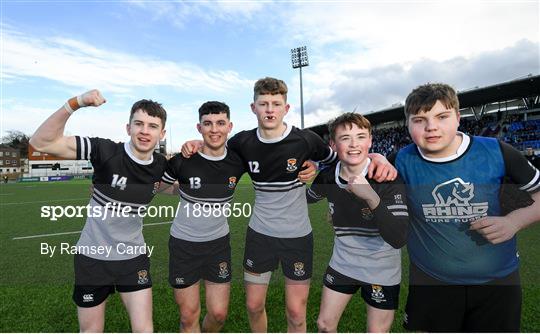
[461, 149]
[127, 148]
[275, 140]
[212, 158]
[338, 168]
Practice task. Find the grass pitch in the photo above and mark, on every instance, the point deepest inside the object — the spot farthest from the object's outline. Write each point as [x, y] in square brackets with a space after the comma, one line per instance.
[36, 289]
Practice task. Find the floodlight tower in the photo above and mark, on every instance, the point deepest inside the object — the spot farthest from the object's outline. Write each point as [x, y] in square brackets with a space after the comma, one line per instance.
[299, 59]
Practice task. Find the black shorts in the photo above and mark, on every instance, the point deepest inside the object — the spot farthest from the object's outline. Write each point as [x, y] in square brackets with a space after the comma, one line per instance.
[385, 297]
[492, 307]
[263, 253]
[190, 261]
[96, 279]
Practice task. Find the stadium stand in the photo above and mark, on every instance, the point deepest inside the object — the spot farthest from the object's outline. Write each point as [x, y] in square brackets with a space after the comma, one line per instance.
[509, 111]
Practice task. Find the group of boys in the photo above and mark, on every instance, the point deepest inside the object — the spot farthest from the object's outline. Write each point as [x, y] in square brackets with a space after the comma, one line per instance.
[445, 204]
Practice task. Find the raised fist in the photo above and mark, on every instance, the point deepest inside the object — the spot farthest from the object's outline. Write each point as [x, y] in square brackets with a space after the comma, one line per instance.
[91, 98]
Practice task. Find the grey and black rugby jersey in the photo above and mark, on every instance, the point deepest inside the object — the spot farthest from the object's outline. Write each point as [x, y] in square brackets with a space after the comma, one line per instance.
[280, 204]
[364, 239]
[207, 184]
[120, 180]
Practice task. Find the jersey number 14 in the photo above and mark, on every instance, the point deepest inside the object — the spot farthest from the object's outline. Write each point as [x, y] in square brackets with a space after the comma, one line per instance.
[120, 182]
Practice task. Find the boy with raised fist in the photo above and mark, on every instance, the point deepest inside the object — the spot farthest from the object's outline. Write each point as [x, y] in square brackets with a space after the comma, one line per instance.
[126, 174]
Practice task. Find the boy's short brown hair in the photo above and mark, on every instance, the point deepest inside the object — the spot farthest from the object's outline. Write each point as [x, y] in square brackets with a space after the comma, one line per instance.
[271, 86]
[348, 119]
[424, 97]
[150, 107]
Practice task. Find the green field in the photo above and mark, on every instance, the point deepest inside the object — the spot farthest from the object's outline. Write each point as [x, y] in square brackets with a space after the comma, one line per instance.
[36, 289]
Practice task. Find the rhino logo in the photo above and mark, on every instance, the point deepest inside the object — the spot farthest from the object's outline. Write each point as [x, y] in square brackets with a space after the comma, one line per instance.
[454, 192]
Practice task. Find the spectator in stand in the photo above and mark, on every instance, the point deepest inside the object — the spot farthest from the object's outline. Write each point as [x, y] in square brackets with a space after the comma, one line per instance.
[533, 158]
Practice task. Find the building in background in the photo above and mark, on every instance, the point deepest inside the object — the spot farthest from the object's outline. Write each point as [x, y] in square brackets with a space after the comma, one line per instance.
[43, 164]
[10, 161]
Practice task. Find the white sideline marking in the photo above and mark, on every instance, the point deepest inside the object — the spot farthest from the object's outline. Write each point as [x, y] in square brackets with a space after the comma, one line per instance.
[45, 235]
[49, 201]
[75, 232]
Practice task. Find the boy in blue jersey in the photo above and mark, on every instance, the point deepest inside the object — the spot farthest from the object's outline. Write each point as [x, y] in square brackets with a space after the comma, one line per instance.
[464, 263]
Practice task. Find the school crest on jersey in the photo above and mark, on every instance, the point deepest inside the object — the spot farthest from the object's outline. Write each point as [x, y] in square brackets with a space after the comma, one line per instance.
[232, 182]
[299, 269]
[223, 270]
[143, 276]
[366, 214]
[291, 165]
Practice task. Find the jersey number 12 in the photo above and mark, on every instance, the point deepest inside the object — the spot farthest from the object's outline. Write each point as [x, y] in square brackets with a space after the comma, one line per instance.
[254, 166]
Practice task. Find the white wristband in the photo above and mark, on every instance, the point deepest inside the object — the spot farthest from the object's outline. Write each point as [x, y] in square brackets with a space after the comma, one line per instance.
[80, 102]
[68, 108]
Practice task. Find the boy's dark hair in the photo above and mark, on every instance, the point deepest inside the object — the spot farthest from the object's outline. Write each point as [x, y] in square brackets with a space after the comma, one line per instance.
[150, 107]
[424, 97]
[214, 107]
[348, 119]
[271, 86]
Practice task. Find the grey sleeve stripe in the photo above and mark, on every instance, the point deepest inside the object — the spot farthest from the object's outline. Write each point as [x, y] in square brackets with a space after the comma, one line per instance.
[391, 207]
[108, 199]
[331, 157]
[81, 145]
[201, 199]
[84, 144]
[528, 186]
[313, 194]
[289, 187]
[167, 178]
[400, 213]
[88, 147]
[534, 188]
[275, 183]
[104, 203]
[360, 234]
[352, 229]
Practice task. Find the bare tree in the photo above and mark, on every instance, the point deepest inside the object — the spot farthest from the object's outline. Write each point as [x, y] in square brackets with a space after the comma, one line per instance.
[17, 140]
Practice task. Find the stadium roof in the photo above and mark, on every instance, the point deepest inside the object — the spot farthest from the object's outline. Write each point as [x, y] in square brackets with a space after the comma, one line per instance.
[476, 97]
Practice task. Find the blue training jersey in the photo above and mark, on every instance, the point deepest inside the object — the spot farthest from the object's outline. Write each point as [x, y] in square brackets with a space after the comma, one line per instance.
[446, 195]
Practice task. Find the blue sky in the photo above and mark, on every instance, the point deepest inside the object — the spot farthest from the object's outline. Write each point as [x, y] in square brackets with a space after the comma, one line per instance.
[363, 54]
